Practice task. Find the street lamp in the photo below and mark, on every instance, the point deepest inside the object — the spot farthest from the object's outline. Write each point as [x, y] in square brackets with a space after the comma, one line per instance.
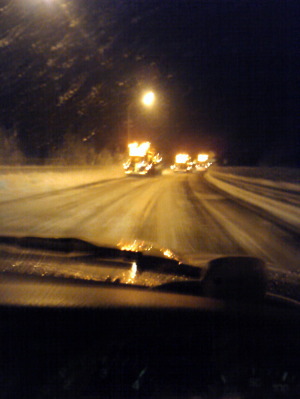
[147, 100]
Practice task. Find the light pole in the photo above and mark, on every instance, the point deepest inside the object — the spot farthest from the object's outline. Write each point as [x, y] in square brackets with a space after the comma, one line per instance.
[147, 100]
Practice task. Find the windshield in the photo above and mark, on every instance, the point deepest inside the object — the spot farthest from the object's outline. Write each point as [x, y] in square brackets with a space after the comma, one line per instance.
[81, 80]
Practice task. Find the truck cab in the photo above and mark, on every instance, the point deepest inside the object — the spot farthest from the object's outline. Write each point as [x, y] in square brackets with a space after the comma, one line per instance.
[143, 159]
[183, 163]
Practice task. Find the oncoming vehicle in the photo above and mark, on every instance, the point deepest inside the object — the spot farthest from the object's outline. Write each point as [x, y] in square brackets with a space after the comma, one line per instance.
[143, 159]
[203, 161]
[183, 163]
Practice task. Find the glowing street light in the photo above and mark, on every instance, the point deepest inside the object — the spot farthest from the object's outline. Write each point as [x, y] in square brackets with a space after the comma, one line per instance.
[148, 98]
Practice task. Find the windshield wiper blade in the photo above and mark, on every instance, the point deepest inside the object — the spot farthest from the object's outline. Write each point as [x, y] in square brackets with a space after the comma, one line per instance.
[64, 245]
[168, 266]
[144, 262]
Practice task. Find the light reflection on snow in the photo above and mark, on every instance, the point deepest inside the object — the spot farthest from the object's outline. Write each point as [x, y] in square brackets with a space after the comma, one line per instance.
[168, 254]
[134, 246]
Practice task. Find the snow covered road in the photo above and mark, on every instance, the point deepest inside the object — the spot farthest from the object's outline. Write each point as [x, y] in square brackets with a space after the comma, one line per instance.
[274, 192]
[180, 212]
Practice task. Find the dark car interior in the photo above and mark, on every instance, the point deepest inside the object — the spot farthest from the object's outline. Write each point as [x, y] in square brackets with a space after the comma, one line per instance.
[74, 339]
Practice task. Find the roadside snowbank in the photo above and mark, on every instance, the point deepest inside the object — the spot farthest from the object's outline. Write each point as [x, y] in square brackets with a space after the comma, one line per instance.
[21, 181]
[274, 191]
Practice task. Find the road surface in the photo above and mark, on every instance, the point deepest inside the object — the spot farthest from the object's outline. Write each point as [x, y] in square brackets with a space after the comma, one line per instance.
[177, 211]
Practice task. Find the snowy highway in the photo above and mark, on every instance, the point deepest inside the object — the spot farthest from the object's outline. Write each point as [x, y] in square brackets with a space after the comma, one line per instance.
[180, 212]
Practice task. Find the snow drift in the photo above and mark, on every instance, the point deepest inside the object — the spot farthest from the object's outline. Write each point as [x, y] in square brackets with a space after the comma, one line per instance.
[273, 191]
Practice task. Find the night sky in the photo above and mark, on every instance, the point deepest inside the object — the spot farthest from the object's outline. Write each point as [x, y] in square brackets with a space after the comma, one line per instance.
[225, 74]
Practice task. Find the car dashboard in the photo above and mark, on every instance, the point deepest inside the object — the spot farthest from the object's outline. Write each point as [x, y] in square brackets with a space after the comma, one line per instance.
[74, 339]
